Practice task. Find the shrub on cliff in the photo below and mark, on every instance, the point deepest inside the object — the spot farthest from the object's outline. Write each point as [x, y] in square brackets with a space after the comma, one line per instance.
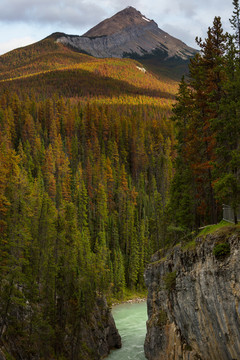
[170, 281]
[221, 250]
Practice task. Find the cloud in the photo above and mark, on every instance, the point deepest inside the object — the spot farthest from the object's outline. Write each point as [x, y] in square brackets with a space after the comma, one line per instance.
[82, 11]
[63, 12]
[15, 43]
[181, 32]
[184, 19]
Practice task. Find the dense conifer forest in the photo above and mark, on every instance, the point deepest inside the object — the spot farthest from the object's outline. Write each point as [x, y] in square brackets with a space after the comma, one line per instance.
[84, 185]
[97, 173]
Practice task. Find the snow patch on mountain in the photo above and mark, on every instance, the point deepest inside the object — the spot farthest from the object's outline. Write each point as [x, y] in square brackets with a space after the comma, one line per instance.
[143, 17]
[141, 69]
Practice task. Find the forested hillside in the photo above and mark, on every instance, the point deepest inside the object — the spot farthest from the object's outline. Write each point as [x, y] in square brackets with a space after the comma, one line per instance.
[47, 68]
[86, 164]
[83, 189]
[41, 56]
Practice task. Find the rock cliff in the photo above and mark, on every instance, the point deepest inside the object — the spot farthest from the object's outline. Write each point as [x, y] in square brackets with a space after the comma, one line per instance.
[99, 335]
[194, 300]
[94, 339]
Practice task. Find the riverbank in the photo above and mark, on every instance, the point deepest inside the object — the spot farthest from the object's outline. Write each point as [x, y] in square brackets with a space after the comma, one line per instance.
[130, 301]
[130, 297]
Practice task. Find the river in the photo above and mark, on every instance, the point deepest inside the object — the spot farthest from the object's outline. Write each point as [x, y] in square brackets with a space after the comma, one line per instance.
[130, 320]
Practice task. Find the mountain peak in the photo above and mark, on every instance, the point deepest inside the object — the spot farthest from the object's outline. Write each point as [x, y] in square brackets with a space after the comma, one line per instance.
[128, 33]
[125, 18]
[130, 11]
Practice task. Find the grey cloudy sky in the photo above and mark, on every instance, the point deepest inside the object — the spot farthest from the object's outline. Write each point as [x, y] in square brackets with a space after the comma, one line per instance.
[25, 21]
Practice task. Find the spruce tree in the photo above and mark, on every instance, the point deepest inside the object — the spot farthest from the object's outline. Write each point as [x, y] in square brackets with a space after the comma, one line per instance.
[235, 23]
[195, 115]
[227, 127]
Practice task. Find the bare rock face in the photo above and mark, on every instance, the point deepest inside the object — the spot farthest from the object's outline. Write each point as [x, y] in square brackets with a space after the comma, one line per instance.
[99, 335]
[2, 357]
[194, 300]
[128, 34]
[126, 18]
[93, 339]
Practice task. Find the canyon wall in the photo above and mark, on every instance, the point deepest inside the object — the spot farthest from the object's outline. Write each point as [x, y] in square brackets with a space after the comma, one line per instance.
[92, 340]
[194, 299]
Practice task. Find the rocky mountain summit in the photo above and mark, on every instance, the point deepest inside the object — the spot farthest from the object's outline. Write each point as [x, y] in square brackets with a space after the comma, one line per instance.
[128, 34]
[194, 300]
[123, 19]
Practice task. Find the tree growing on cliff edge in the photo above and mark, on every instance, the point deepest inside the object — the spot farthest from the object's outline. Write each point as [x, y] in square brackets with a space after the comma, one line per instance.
[227, 126]
[206, 115]
[195, 115]
[182, 204]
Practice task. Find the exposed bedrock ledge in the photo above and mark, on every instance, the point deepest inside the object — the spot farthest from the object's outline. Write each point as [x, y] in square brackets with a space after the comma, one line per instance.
[194, 301]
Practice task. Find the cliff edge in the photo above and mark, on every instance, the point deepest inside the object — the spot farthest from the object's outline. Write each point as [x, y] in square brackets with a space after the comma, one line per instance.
[194, 299]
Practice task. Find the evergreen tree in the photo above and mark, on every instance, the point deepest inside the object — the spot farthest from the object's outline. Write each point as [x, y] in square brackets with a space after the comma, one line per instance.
[235, 23]
[196, 115]
[183, 196]
[227, 127]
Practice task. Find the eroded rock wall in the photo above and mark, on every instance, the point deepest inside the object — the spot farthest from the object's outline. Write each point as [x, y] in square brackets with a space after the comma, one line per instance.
[194, 301]
[99, 335]
[92, 340]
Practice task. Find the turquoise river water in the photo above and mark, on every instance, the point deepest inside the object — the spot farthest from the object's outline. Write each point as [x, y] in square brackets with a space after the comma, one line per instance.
[130, 320]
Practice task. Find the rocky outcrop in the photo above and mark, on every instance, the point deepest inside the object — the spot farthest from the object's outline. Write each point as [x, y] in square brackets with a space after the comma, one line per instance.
[94, 339]
[99, 334]
[194, 300]
[128, 34]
